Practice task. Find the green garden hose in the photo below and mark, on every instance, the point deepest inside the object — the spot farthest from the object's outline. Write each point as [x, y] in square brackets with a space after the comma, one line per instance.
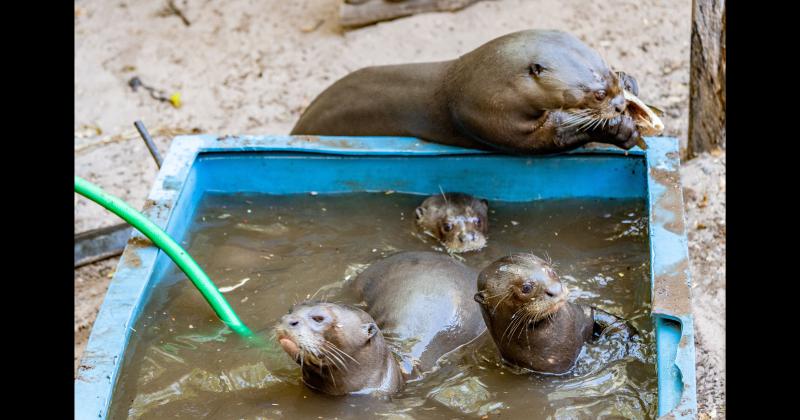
[160, 238]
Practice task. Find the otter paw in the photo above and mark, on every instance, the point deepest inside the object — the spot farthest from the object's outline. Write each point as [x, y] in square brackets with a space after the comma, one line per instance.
[621, 131]
[628, 82]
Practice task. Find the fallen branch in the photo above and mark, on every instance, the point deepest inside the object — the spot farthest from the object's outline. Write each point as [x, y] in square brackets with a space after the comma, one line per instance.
[355, 13]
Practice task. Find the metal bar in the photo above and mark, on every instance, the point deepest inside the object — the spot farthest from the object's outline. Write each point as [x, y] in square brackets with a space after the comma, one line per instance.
[99, 244]
[148, 141]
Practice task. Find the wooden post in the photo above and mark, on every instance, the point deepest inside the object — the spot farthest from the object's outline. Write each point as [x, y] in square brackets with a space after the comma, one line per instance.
[707, 77]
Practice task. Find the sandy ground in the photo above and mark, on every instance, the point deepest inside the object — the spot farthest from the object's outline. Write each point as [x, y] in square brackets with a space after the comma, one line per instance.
[251, 67]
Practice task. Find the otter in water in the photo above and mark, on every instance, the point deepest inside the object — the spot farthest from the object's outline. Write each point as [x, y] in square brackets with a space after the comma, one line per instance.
[533, 92]
[423, 300]
[340, 349]
[532, 323]
[458, 221]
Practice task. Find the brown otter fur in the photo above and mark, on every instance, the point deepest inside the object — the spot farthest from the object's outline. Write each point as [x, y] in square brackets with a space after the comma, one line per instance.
[533, 325]
[532, 91]
[340, 349]
[459, 221]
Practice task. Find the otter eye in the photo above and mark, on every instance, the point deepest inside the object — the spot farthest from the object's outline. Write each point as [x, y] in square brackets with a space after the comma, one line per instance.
[318, 318]
[478, 223]
[447, 227]
[535, 69]
[526, 288]
[600, 94]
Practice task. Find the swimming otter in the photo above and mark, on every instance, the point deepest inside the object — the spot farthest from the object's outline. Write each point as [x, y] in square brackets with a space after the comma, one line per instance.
[459, 221]
[532, 323]
[340, 349]
[422, 299]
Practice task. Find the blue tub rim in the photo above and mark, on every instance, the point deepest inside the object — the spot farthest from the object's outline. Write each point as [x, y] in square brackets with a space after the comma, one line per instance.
[671, 283]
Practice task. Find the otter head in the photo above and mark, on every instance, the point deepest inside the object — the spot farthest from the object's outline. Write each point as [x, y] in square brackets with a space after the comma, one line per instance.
[339, 348]
[522, 288]
[526, 311]
[529, 72]
[458, 221]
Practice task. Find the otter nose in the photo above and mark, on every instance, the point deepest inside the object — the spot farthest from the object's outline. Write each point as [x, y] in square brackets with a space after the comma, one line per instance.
[467, 236]
[619, 104]
[292, 321]
[554, 289]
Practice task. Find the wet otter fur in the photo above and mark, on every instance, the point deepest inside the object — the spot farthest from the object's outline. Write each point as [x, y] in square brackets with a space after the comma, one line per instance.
[533, 325]
[458, 221]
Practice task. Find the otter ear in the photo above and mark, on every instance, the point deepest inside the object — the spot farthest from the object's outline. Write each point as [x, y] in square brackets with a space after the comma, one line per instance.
[485, 202]
[480, 298]
[370, 329]
[420, 211]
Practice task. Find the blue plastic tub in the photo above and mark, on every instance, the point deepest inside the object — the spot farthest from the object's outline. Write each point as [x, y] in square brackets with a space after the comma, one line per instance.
[196, 165]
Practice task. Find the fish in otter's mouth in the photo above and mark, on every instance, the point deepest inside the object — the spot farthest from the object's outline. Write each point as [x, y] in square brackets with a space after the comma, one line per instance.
[645, 116]
[647, 121]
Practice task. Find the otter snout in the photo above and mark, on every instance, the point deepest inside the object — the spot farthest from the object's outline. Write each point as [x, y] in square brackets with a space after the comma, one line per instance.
[469, 237]
[291, 321]
[618, 104]
[554, 290]
[465, 239]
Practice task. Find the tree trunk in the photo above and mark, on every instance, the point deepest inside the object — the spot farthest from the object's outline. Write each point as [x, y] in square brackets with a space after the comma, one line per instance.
[707, 83]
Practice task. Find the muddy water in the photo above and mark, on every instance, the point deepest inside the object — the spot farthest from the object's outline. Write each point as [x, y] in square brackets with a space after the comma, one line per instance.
[266, 252]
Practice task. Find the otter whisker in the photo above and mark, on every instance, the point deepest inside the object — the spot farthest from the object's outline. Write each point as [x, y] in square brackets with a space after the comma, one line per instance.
[443, 195]
[578, 115]
[525, 324]
[520, 321]
[507, 294]
[492, 296]
[547, 257]
[585, 125]
[327, 353]
[594, 124]
[514, 321]
[600, 122]
[330, 373]
[509, 325]
[338, 361]
[340, 351]
[343, 353]
[335, 360]
[575, 120]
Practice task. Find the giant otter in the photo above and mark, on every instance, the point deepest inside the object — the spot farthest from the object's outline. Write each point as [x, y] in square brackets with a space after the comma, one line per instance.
[458, 221]
[339, 348]
[534, 92]
[423, 300]
[532, 323]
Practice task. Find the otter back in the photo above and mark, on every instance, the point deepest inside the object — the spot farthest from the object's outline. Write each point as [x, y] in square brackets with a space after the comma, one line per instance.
[423, 302]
